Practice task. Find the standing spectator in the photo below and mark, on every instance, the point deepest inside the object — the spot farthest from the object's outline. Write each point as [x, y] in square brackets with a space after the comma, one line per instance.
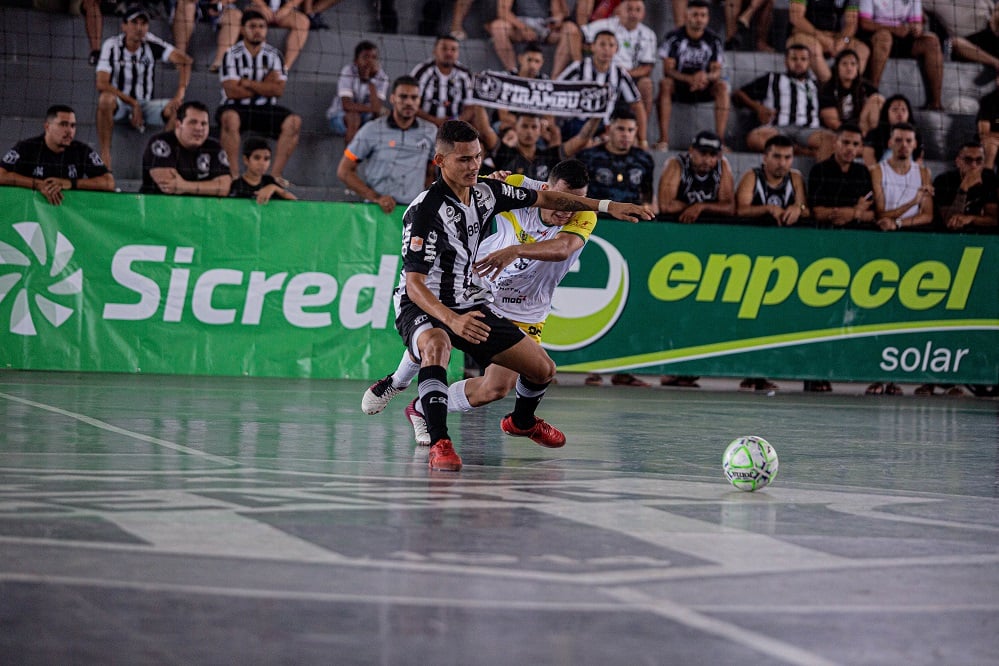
[253, 78]
[445, 84]
[773, 192]
[692, 69]
[847, 98]
[981, 46]
[787, 103]
[839, 189]
[636, 41]
[966, 197]
[256, 183]
[523, 155]
[620, 171]
[525, 21]
[698, 182]
[600, 68]
[126, 78]
[186, 160]
[903, 194]
[739, 21]
[896, 109]
[826, 27]
[285, 14]
[397, 151]
[55, 161]
[360, 92]
[988, 127]
[894, 28]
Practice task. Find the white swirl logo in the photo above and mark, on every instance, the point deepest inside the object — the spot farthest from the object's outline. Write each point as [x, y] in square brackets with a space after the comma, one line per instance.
[37, 267]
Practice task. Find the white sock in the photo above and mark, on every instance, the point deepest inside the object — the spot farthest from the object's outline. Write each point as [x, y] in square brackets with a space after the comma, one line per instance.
[404, 374]
[457, 401]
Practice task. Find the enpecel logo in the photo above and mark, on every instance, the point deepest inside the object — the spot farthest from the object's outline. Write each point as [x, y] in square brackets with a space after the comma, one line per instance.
[34, 261]
[582, 315]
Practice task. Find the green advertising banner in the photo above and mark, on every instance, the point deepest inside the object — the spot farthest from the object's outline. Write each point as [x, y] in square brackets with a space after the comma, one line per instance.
[186, 285]
[740, 301]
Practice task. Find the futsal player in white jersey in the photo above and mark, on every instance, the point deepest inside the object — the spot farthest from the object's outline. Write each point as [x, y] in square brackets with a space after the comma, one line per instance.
[522, 262]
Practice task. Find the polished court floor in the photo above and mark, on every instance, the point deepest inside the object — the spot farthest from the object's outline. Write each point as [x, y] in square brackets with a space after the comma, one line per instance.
[164, 520]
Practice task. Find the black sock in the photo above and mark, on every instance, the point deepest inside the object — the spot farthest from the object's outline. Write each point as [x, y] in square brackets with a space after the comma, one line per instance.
[433, 400]
[529, 396]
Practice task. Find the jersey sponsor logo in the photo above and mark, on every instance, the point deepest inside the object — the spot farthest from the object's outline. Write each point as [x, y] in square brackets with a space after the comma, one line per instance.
[431, 246]
[512, 192]
[160, 148]
[416, 244]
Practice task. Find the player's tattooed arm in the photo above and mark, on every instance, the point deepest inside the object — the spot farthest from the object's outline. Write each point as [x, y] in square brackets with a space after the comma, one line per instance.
[564, 201]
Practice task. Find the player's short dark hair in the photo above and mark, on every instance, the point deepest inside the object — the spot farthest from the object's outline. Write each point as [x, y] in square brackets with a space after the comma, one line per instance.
[56, 109]
[904, 127]
[778, 140]
[364, 46]
[573, 172]
[853, 128]
[405, 80]
[187, 106]
[452, 132]
[798, 47]
[251, 14]
[255, 143]
[623, 113]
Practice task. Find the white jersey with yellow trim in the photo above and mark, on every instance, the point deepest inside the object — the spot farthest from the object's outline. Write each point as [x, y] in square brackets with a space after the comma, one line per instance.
[523, 291]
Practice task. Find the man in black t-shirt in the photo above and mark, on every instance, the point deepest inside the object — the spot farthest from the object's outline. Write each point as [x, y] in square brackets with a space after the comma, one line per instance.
[186, 160]
[965, 198]
[988, 127]
[839, 188]
[619, 170]
[55, 161]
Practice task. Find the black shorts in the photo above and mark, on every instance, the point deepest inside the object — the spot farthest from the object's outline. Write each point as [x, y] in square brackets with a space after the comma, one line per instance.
[264, 119]
[682, 94]
[503, 333]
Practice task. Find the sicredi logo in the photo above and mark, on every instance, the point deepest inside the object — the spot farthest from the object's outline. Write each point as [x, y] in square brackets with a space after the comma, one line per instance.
[24, 291]
[582, 315]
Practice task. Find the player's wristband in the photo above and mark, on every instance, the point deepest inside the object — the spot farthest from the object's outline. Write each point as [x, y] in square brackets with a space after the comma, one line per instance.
[603, 205]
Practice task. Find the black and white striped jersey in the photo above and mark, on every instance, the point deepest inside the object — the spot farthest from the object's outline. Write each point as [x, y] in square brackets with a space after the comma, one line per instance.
[795, 100]
[133, 73]
[618, 79]
[441, 235]
[238, 63]
[443, 96]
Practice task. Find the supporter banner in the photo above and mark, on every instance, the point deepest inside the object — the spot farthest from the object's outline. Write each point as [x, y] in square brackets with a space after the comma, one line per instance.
[132, 283]
[189, 285]
[804, 303]
[541, 96]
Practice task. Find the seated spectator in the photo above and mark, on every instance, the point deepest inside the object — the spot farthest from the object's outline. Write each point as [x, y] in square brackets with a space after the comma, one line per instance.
[55, 161]
[601, 68]
[692, 71]
[186, 160]
[894, 28]
[397, 151]
[253, 78]
[981, 46]
[773, 193]
[787, 103]
[360, 92]
[966, 198]
[959, 17]
[620, 171]
[277, 13]
[739, 22]
[839, 188]
[988, 127]
[256, 183]
[530, 64]
[827, 29]
[184, 18]
[847, 98]
[896, 109]
[445, 84]
[523, 155]
[637, 45]
[529, 22]
[698, 182]
[903, 194]
[125, 76]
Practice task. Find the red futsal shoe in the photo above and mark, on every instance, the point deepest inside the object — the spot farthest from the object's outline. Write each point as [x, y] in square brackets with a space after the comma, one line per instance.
[541, 433]
[443, 458]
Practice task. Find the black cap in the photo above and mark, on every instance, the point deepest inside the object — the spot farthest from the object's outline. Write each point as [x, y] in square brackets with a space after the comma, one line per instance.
[707, 142]
[133, 12]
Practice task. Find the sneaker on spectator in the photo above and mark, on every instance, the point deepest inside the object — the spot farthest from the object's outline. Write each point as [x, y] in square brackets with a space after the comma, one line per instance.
[378, 395]
[541, 432]
[443, 457]
[419, 424]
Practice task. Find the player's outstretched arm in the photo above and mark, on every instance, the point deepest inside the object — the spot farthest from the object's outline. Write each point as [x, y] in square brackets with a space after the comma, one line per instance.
[559, 248]
[564, 201]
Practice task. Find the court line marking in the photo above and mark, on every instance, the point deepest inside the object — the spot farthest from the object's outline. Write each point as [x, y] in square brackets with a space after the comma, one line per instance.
[104, 425]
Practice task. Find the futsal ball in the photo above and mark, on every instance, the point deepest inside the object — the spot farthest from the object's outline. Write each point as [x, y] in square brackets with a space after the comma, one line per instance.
[750, 463]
